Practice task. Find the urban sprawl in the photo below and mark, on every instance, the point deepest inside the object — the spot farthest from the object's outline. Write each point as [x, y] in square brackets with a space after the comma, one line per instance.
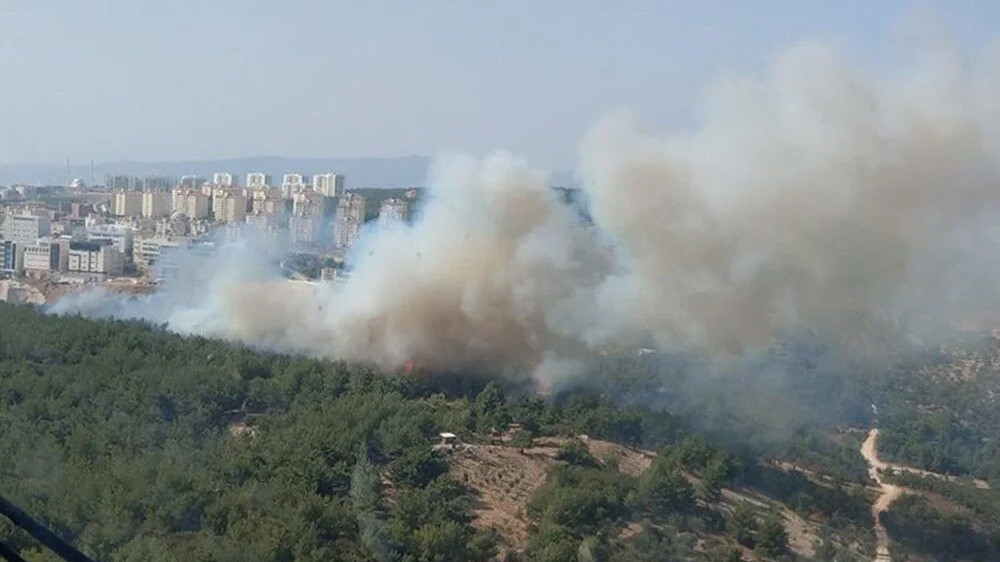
[126, 231]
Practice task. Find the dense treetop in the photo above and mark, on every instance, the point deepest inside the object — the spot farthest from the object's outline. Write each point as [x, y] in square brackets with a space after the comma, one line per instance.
[137, 444]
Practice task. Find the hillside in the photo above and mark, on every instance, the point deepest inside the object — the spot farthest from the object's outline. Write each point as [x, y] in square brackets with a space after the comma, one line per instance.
[943, 414]
[138, 444]
[503, 478]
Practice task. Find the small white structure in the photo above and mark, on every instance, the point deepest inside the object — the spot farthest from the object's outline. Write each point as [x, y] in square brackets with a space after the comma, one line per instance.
[447, 443]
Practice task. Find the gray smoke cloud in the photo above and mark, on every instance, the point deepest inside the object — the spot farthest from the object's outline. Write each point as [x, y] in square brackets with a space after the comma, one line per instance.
[818, 197]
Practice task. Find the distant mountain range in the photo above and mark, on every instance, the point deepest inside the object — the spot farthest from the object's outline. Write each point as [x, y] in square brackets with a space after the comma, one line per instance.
[359, 172]
[405, 171]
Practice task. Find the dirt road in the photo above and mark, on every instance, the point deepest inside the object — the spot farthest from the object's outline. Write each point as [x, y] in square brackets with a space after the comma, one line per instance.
[889, 493]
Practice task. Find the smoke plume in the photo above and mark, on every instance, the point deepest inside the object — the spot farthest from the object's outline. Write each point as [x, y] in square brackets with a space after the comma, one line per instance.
[818, 197]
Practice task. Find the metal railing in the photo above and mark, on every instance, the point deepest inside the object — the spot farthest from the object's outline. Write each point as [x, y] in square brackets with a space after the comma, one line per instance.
[49, 539]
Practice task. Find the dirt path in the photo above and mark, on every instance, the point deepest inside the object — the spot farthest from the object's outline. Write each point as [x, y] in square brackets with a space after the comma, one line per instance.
[881, 505]
[891, 491]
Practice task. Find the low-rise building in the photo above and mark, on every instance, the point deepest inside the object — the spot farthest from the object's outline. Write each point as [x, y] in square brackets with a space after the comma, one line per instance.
[11, 256]
[26, 228]
[46, 256]
[186, 267]
[149, 250]
[119, 236]
[94, 258]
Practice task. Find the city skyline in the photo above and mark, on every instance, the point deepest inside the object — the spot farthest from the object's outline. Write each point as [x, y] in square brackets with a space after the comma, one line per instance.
[354, 82]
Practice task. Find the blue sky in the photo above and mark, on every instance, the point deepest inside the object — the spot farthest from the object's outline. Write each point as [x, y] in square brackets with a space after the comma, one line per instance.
[182, 79]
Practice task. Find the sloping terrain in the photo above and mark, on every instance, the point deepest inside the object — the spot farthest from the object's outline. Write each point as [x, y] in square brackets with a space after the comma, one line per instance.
[502, 478]
[138, 445]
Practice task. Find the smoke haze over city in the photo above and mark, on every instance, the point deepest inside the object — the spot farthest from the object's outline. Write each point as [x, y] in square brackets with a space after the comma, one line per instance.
[479, 282]
[818, 196]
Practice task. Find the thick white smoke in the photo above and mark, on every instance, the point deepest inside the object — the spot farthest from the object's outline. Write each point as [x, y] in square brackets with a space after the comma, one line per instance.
[818, 198]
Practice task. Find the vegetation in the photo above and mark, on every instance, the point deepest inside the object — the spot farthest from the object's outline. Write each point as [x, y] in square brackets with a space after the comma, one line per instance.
[949, 520]
[139, 444]
[310, 265]
[943, 414]
[921, 528]
[375, 195]
[783, 405]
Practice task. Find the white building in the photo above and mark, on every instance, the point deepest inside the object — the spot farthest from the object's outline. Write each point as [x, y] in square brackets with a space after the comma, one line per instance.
[329, 185]
[304, 230]
[187, 267]
[119, 236]
[307, 204]
[268, 201]
[191, 182]
[26, 228]
[224, 179]
[294, 179]
[46, 256]
[94, 257]
[126, 204]
[155, 204]
[258, 179]
[291, 183]
[229, 206]
[392, 212]
[148, 250]
[193, 203]
[350, 218]
[177, 224]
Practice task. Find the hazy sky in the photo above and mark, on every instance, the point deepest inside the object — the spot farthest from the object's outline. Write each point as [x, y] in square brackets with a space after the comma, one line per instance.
[196, 79]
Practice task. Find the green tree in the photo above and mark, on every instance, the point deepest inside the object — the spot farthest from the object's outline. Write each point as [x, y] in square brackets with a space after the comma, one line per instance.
[490, 408]
[772, 539]
[418, 467]
[553, 543]
[726, 554]
[663, 489]
[714, 474]
[742, 525]
[522, 439]
[825, 550]
[576, 453]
